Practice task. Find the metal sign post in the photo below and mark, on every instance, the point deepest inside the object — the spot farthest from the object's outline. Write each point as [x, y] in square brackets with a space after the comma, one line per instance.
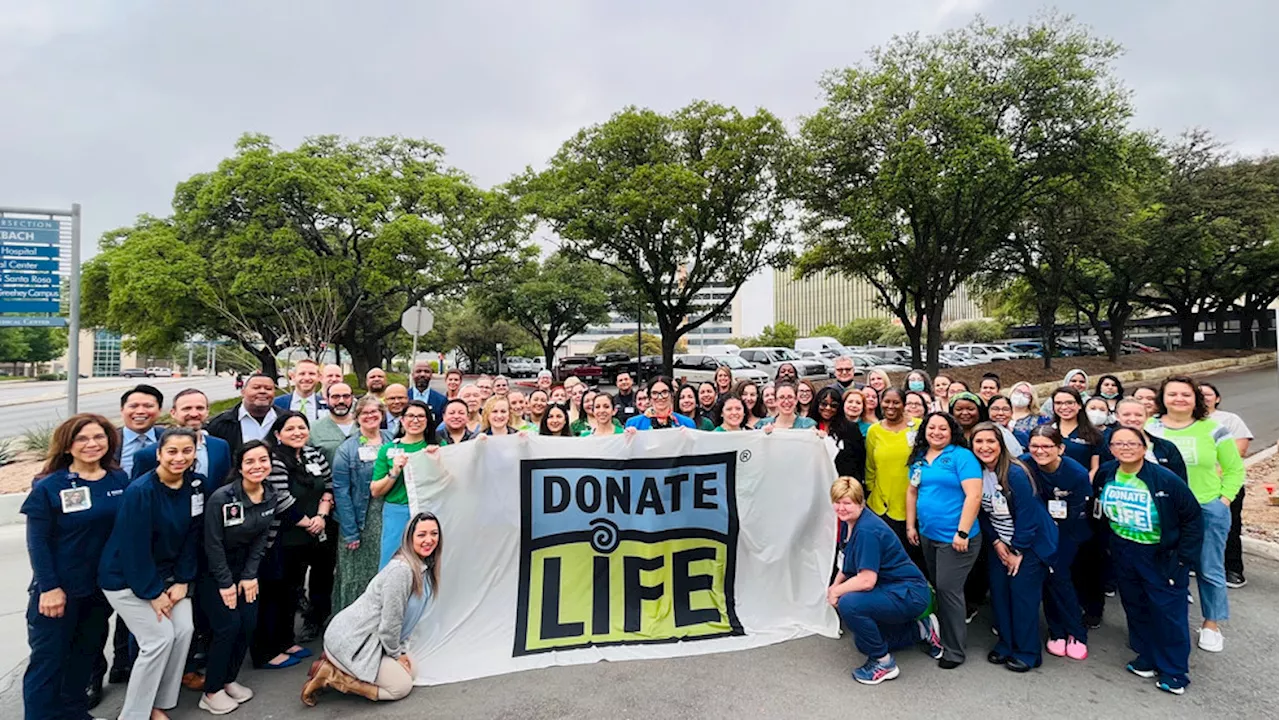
[31, 271]
[417, 321]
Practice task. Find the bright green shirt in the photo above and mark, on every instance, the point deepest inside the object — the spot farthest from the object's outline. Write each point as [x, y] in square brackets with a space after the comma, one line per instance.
[382, 467]
[1133, 514]
[1206, 446]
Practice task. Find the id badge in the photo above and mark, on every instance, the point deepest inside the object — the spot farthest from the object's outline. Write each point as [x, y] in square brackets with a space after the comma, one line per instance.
[1097, 508]
[232, 514]
[1058, 509]
[999, 505]
[197, 504]
[368, 453]
[75, 499]
[313, 468]
[915, 476]
[395, 452]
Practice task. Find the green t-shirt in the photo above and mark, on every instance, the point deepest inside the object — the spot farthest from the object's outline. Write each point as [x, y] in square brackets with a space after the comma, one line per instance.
[1214, 467]
[587, 430]
[382, 467]
[1133, 514]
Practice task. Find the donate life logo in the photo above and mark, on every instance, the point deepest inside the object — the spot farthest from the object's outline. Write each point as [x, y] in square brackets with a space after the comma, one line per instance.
[620, 552]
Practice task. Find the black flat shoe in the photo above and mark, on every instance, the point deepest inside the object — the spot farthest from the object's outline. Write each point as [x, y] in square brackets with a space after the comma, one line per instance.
[949, 664]
[94, 694]
[119, 675]
[1016, 665]
[996, 658]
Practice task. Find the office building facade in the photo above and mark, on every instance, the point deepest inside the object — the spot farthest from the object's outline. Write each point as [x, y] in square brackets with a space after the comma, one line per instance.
[839, 300]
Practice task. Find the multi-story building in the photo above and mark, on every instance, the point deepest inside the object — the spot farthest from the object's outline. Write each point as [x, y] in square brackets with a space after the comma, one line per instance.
[713, 332]
[837, 299]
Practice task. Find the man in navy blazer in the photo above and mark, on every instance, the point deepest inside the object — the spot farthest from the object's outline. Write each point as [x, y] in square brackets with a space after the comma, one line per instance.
[305, 377]
[421, 389]
[213, 455]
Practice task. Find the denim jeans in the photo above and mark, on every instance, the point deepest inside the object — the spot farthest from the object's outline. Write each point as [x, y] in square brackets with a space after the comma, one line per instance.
[1211, 576]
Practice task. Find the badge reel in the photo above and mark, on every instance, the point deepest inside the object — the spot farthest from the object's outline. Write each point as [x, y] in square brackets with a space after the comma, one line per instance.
[1058, 509]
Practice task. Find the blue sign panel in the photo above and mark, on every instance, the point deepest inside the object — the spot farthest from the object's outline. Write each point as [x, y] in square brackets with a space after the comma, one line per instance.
[11, 279]
[9, 321]
[28, 306]
[24, 265]
[29, 230]
[8, 250]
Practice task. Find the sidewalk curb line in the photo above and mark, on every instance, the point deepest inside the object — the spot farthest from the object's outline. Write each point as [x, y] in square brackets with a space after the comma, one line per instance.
[1261, 455]
[1260, 548]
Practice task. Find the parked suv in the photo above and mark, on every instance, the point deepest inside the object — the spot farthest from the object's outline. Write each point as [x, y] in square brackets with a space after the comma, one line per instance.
[702, 368]
[767, 359]
[520, 367]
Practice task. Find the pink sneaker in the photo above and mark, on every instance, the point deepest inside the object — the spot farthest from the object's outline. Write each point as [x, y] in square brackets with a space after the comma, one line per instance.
[1076, 650]
[1057, 647]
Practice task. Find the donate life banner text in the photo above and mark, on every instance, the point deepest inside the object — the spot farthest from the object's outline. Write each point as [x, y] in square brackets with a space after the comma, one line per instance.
[562, 551]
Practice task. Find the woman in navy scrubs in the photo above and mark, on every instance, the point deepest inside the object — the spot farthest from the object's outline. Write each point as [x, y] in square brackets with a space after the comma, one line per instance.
[1065, 489]
[1023, 539]
[70, 513]
[1082, 440]
[1155, 522]
[1083, 443]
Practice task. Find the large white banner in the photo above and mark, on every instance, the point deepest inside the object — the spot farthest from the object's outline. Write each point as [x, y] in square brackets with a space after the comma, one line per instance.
[562, 551]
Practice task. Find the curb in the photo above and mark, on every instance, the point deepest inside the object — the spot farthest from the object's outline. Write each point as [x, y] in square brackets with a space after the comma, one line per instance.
[1193, 369]
[1260, 548]
[10, 504]
[1264, 454]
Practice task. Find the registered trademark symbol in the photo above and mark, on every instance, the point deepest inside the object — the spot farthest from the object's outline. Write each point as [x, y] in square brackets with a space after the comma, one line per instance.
[744, 456]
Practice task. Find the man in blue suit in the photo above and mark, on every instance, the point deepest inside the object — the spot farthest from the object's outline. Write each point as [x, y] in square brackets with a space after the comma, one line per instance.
[421, 389]
[213, 455]
[305, 377]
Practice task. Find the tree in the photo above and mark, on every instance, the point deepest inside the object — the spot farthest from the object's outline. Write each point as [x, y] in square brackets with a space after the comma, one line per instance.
[477, 337]
[863, 331]
[981, 331]
[782, 334]
[650, 344]
[829, 329]
[677, 203]
[552, 301]
[923, 158]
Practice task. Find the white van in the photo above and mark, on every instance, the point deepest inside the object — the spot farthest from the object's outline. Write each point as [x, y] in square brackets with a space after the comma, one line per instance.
[819, 343]
[721, 349]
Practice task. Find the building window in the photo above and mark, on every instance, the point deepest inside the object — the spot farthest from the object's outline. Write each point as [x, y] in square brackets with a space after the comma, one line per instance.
[106, 353]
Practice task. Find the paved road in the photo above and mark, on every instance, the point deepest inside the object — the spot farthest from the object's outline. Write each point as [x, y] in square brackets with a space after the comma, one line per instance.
[1252, 394]
[46, 402]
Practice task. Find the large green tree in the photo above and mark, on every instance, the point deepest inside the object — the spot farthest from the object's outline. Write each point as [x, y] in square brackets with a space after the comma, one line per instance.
[552, 300]
[476, 336]
[677, 203]
[923, 157]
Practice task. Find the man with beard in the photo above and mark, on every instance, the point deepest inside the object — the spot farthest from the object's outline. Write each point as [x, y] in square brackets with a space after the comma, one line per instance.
[249, 419]
[624, 403]
[421, 390]
[395, 399]
[330, 431]
[375, 381]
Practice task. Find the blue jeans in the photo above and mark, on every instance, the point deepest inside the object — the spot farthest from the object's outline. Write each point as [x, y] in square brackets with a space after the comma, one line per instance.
[1211, 576]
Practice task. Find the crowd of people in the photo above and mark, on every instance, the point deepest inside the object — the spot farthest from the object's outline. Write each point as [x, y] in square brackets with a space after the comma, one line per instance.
[209, 539]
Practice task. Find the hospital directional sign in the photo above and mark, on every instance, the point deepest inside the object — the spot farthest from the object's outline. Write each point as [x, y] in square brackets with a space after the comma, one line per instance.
[29, 254]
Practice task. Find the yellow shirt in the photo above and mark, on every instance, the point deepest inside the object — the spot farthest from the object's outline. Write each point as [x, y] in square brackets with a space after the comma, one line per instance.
[887, 472]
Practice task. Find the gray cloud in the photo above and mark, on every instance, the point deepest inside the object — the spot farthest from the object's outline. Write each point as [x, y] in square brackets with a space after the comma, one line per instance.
[112, 103]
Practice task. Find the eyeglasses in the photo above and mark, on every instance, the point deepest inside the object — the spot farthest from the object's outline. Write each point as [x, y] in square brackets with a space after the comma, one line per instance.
[1126, 445]
[83, 440]
[841, 371]
[371, 413]
[340, 396]
[1041, 448]
[660, 394]
[415, 416]
[827, 404]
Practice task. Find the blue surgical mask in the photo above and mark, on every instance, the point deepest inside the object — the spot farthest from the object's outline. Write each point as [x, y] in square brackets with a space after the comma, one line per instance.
[915, 385]
[1109, 395]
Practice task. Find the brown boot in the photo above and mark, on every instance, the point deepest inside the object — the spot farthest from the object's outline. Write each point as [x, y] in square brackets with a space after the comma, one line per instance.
[322, 676]
[351, 685]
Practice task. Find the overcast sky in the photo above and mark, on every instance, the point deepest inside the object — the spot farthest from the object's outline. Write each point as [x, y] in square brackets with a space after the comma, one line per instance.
[111, 103]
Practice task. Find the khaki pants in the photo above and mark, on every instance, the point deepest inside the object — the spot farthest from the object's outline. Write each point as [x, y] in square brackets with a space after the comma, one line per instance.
[393, 681]
[162, 652]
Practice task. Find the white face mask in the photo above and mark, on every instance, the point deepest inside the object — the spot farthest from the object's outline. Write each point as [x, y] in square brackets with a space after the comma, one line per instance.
[1020, 400]
[1097, 417]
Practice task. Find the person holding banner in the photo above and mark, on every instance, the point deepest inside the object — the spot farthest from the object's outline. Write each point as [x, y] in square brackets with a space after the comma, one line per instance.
[602, 417]
[388, 470]
[943, 499]
[365, 649]
[687, 405]
[662, 415]
[879, 593]
[496, 418]
[555, 421]
[733, 413]
[1024, 540]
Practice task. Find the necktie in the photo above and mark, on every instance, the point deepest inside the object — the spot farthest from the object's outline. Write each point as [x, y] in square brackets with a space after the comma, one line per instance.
[303, 407]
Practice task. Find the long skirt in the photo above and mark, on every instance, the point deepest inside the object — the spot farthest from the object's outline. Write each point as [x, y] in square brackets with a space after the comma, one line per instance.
[357, 567]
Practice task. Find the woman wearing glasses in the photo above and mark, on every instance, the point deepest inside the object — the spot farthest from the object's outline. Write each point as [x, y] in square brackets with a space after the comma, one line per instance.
[662, 413]
[1065, 489]
[366, 645]
[388, 474]
[1155, 521]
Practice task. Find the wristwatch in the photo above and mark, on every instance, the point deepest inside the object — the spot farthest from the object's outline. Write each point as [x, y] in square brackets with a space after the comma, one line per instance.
[962, 534]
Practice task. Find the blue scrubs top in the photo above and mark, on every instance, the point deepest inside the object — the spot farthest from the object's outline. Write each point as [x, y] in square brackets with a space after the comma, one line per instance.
[940, 498]
[65, 547]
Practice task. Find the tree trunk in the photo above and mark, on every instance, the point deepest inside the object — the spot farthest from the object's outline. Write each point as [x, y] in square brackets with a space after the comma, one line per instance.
[267, 357]
[1117, 334]
[669, 340]
[913, 339]
[934, 338]
[1188, 323]
[1247, 320]
[1048, 325]
[1220, 326]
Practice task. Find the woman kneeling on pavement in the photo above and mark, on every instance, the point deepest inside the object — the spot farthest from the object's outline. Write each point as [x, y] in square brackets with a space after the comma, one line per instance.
[1156, 526]
[879, 593]
[1022, 536]
[365, 650]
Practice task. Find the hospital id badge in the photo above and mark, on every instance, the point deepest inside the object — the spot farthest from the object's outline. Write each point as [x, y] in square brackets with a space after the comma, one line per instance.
[368, 453]
[232, 514]
[197, 504]
[313, 468]
[1058, 509]
[999, 505]
[75, 499]
[1097, 508]
[395, 452]
[915, 476]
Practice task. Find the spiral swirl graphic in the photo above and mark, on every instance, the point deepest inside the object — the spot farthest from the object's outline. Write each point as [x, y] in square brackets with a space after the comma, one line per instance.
[604, 536]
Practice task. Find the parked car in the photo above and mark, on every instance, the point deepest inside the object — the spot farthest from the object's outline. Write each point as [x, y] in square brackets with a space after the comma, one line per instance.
[818, 343]
[702, 368]
[722, 349]
[954, 359]
[650, 367]
[982, 351]
[768, 359]
[134, 372]
[897, 355]
[159, 372]
[519, 367]
[613, 363]
[581, 366]
[829, 362]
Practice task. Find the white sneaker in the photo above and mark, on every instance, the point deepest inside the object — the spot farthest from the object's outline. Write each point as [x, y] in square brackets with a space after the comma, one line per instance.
[1210, 640]
[219, 703]
[238, 692]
